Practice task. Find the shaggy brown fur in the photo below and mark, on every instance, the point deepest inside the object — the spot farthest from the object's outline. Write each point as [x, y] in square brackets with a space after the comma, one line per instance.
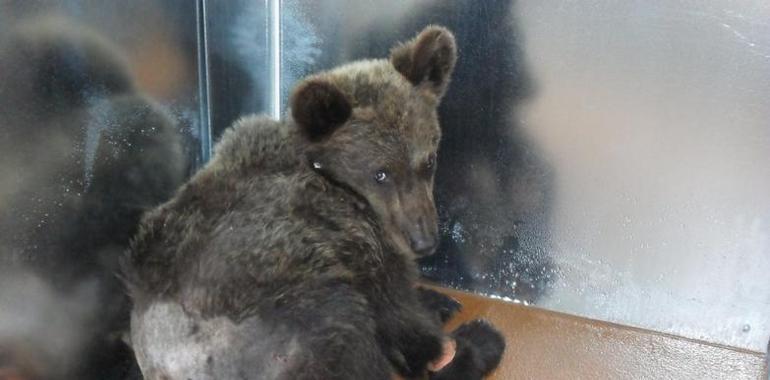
[290, 255]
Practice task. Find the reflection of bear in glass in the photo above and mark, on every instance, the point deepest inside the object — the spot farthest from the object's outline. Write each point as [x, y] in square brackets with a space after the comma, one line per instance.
[84, 154]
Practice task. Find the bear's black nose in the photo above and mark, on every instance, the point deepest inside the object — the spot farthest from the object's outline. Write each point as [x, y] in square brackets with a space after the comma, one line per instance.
[424, 244]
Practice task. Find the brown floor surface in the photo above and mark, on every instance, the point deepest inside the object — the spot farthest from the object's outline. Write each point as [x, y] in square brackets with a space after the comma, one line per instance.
[549, 345]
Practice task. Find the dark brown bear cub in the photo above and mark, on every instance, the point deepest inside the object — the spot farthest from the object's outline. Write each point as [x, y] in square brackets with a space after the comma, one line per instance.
[291, 254]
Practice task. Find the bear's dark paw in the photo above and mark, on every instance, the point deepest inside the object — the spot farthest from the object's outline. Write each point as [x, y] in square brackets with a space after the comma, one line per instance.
[480, 348]
[415, 353]
[439, 304]
[484, 337]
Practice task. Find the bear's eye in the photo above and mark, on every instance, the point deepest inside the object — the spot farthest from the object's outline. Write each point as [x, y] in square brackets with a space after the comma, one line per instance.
[381, 176]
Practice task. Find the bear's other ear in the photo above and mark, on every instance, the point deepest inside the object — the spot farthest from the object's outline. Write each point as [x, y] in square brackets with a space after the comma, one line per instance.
[319, 107]
[428, 59]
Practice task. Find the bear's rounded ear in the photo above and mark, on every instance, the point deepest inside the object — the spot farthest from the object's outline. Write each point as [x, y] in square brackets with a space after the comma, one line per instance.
[427, 60]
[319, 107]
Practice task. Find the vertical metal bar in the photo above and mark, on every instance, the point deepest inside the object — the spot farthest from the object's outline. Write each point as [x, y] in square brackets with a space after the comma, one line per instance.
[204, 92]
[275, 58]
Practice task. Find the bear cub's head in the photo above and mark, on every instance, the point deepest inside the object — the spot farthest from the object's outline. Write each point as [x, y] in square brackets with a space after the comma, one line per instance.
[371, 126]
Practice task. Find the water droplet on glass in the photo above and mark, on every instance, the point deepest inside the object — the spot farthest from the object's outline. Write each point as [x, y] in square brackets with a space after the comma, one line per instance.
[746, 328]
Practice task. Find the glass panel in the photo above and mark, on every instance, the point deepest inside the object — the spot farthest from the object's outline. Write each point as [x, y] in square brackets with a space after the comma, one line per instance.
[652, 115]
[99, 121]
[605, 159]
[239, 64]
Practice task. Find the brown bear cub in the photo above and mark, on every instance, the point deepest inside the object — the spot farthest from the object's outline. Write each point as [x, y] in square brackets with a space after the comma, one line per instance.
[291, 254]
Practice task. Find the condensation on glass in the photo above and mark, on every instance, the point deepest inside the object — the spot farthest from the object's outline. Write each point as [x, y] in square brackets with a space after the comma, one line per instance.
[606, 159]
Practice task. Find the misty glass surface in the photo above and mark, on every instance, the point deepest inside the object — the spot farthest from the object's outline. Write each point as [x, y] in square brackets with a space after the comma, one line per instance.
[606, 159]
[238, 62]
[99, 121]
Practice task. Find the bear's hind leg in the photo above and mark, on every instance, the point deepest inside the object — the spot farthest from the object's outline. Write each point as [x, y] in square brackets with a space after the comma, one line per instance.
[337, 336]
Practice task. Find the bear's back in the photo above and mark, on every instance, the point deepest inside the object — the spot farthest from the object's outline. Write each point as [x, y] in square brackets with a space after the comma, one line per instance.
[254, 206]
[257, 146]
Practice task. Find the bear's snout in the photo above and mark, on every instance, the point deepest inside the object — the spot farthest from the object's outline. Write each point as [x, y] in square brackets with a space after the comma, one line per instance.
[423, 237]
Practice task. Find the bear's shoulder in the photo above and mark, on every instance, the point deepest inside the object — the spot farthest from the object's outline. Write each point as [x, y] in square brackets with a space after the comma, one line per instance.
[257, 145]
